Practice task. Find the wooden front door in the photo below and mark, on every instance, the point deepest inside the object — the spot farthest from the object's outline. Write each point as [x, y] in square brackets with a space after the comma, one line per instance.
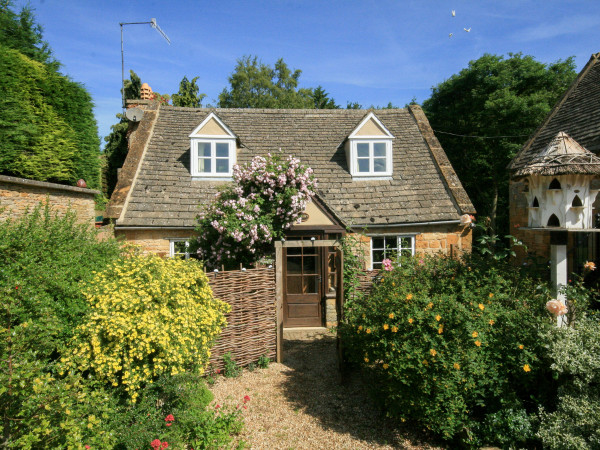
[302, 287]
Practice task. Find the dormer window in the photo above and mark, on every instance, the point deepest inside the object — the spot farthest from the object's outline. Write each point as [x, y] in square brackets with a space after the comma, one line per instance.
[212, 147]
[369, 149]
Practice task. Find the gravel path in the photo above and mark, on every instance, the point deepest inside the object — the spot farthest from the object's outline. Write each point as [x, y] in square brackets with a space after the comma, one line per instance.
[300, 404]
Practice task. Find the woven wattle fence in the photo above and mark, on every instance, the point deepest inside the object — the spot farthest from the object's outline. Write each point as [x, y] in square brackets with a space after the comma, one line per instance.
[251, 325]
[365, 280]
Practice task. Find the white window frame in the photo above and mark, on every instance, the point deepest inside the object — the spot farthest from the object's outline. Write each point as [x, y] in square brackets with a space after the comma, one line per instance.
[195, 141]
[397, 249]
[196, 138]
[371, 143]
[173, 253]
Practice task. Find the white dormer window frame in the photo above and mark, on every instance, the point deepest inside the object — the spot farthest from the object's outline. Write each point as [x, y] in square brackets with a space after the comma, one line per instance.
[212, 156]
[370, 157]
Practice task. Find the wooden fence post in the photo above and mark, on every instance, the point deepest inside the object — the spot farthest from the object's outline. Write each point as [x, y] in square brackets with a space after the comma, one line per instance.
[279, 298]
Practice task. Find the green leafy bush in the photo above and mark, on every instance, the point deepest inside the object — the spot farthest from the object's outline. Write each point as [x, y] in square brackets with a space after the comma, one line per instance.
[574, 423]
[44, 258]
[451, 343]
[231, 368]
[149, 316]
[178, 410]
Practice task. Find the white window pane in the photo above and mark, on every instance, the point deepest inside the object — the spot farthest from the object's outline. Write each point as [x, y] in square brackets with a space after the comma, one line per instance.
[379, 164]
[363, 165]
[222, 165]
[222, 150]
[204, 149]
[378, 242]
[379, 149]
[406, 242]
[362, 150]
[204, 165]
[378, 256]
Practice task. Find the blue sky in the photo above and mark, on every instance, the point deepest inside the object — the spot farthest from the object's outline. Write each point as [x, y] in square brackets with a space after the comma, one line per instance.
[370, 52]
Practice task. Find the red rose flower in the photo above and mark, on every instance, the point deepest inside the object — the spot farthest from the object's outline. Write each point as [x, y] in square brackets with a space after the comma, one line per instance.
[165, 444]
[246, 398]
[155, 444]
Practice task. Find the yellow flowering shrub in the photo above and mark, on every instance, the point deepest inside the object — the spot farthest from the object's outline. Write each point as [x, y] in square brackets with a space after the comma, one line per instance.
[149, 316]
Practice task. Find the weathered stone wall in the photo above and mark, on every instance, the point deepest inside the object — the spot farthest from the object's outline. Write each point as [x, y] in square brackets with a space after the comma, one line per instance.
[18, 195]
[153, 241]
[537, 242]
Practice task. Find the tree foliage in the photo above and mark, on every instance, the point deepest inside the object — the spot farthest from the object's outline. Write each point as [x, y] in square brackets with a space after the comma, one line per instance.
[497, 102]
[322, 100]
[47, 128]
[189, 94]
[254, 84]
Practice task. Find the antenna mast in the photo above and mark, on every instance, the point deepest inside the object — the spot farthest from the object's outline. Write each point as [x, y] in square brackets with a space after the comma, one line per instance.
[154, 25]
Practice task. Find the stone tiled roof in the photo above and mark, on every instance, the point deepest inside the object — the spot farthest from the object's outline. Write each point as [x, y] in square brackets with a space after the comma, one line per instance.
[423, 188]
[577, 113]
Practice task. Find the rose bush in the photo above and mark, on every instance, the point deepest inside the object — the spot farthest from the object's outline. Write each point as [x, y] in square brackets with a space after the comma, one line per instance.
[267, 197]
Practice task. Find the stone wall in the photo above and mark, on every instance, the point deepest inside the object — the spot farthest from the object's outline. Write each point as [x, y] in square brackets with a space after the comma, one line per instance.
[153, 241]
[18, 195]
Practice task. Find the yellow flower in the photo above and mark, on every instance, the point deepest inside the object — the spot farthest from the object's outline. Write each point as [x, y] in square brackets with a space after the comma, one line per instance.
[409, 297]
[490, 295]
[360, 327]
[438, 317]
[481, 307]
[433, 352]
[366, 359]
[521, 347]
[385, 326]
[410, 320]
[394, 329]
[478, 343]
[425, 362]
[368, 330]
[475, 334]
[457, 366]
[393, 284]
[391, 316]
[429, 305]
[385, 366]
[491, 322]
[441, 329]
[526, 368]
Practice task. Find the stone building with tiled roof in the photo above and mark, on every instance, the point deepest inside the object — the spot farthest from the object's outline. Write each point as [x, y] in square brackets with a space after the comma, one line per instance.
[575, 122]
[382, 173]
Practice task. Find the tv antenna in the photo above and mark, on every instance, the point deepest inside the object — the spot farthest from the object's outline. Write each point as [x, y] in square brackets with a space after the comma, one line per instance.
[154, 25]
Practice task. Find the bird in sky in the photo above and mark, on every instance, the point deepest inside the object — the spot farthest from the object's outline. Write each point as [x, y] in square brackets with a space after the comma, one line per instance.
[450, 35]
[453, 13]
[467, 30]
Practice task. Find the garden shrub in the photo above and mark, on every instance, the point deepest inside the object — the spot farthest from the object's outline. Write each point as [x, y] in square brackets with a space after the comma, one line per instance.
[574, 423]
[149, 316]
[44, 258]
[177, 410]
[267, 198]
[450, 344]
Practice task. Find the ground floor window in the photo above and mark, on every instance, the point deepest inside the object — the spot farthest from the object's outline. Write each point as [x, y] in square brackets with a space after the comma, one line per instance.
[180, 248]
[390, 247]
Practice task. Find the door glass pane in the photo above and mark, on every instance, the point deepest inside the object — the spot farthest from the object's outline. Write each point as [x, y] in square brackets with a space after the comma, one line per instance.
[310, 264]
[379, 164]
[222, 165]
[204, 149]
[363, 165]
[309, 250]
[204, 165]
[294, 264]
[309, 285]
[379, 149]
[294, 284]
[294, 250]
[222, 150]
[362, 150]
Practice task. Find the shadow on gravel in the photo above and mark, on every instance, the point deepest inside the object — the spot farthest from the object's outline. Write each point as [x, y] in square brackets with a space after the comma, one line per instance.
[314, 387]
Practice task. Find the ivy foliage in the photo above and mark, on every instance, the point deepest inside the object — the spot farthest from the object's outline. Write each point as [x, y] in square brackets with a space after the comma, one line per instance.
[47, 128]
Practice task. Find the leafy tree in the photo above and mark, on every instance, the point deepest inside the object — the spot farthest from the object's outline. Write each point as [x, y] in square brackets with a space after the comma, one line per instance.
[47, 127]
[353, 105]
[189, 94]
[132, 87]
[322, 100]
[254, 84]
[485, 113]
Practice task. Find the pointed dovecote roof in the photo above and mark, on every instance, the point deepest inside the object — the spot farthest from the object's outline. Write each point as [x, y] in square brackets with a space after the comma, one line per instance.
[576, 113]
[562, 156]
